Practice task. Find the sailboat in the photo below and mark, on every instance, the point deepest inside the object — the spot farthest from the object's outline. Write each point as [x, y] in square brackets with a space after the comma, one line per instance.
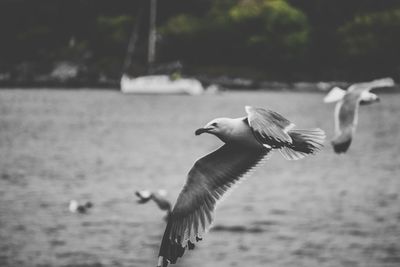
[155, 84]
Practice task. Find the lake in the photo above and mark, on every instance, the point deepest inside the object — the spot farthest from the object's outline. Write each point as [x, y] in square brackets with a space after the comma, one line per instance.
[324, 210]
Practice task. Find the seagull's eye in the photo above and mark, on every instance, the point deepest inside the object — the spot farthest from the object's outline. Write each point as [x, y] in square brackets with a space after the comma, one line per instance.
[214, 124]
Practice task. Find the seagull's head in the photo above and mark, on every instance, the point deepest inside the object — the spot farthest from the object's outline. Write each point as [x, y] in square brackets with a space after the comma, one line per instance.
[368, 98]
[217, 127]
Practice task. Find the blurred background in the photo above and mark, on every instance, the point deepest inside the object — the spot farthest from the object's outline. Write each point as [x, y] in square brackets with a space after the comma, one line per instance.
[72, 160]
[284, 40]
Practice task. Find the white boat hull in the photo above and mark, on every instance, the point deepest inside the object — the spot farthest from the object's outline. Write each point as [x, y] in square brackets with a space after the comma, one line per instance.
[160, 84]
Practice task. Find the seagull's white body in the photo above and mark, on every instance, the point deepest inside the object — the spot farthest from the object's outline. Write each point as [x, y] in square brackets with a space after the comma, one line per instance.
[346, 110]
[239, 132]
[247, 142]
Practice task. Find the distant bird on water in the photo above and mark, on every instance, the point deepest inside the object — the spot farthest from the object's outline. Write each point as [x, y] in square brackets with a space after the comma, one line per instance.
[248, 141]
[158, 197]
[346, 110]
[75, 207]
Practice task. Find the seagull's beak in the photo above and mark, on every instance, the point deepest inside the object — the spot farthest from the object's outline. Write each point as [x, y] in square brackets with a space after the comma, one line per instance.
[202, 130]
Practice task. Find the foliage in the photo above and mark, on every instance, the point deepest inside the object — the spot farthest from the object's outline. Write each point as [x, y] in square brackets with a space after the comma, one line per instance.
[182, 24]
[244, 32]
[116, 29]
[275, 25]
[372, 34]
[110, 42]
[314, 38]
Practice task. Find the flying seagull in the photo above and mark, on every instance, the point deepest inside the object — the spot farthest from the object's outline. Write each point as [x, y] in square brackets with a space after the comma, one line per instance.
[75, 207]
[346, 110]
[158, 197]
[247, 142]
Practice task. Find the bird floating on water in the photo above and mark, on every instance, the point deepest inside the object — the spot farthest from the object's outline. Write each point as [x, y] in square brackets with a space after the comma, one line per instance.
[158, 197]
[75, 207]
[247, 143]
[346, 110]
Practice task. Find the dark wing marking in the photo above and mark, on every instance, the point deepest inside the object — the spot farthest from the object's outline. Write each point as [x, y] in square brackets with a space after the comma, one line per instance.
[209, 178]
[342, 143]
[269, 127]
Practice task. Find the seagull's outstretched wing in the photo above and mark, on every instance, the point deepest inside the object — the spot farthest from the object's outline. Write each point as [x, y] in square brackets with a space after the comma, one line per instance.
[379, 83]
[208, 180]
[269, 127]
[334, 95]
[274, 131]
[346, 114]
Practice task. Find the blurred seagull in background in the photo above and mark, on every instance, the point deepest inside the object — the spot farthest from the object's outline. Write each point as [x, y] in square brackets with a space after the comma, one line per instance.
[75, 207]
[346, 110]
[143, 195]
[248, 141]
[158, 197]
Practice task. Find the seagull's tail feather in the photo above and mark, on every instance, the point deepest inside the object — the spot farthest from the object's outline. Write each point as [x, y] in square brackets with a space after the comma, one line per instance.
[304, 142]
[169, 251]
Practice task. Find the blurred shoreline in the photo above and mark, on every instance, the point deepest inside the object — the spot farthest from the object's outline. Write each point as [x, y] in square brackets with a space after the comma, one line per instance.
[223, 83]
[66, 75]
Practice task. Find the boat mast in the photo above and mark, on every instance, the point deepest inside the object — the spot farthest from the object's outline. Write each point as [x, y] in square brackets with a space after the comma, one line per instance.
[132, 41]
[152, 36]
